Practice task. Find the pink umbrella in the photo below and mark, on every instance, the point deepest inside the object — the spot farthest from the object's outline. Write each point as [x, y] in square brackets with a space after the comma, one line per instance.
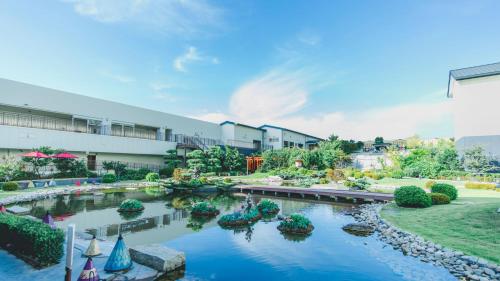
[65, 155]
[35, 154]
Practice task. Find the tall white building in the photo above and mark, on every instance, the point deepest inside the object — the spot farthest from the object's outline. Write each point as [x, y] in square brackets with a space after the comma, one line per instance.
[99, 130]
[476, 106]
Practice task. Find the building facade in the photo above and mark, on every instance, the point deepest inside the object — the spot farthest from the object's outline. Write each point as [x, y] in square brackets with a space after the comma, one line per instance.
[475, 94]
[99, 130]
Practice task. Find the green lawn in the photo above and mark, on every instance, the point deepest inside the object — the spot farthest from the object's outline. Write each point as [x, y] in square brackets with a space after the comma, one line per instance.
[469, 224]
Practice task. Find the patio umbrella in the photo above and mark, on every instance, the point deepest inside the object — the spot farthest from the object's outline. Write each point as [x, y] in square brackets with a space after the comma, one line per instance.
[120, 258]
[48, 220]
[35, 154]
[89, 273]
[65, 155]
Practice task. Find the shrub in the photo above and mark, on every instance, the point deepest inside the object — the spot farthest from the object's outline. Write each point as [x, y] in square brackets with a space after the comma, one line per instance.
[445, 188]
[153, 177]
[267, 206]
[373, 175]
[480, 185]
[357, 174]
[297, 224]
[131, 205]
[429, 184]
[330, 174]
[227, 180]
[10, 186]
[177, 175]
[32, 238]
[194, 183]
[204, 180]
[108, 178]
[240, 218]
[412, 196]
[439, 198]
[166, 172]
[323, 181]
[396, 174]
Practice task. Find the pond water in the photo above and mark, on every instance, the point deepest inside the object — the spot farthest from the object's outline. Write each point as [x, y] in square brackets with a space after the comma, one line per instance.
[259, 252]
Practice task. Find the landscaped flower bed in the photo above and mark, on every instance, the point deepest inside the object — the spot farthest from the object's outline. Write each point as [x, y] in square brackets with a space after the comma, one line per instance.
[204, 209]
[268, 207]
[131, 205]
[239, 218]
[296, 224]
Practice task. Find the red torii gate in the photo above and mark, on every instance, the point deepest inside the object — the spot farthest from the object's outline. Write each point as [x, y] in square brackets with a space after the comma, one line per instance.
[253, 163]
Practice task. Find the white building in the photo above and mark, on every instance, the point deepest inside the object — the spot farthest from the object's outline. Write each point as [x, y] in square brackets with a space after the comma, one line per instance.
[278, 137]
[98, 130]
[476, 104]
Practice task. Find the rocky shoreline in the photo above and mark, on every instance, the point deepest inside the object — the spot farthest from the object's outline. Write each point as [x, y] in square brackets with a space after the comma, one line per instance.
[457, 263]
[44, 193]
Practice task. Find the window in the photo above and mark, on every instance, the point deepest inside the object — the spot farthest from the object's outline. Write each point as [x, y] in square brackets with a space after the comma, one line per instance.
[292, 144]
[285, 144]
[301, 145]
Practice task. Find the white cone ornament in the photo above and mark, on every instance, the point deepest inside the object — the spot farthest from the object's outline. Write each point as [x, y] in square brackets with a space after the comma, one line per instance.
[93, 249]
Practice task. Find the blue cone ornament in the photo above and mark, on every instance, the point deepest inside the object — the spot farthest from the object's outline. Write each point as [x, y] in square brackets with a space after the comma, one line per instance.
[120, 258]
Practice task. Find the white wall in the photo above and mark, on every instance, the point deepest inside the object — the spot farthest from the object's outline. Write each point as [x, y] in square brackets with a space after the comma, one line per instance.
[28, 138]
[294, 137]
[35, 97]
[248, 135]
[491, 145]
[476, 106]
[272, 133]
[227, 132]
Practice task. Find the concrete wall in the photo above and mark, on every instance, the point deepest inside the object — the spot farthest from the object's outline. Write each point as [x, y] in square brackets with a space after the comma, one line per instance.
[276, 134]
[28, 138]
[35, 97]
[294, 137]
[246, 136]
[227, 132]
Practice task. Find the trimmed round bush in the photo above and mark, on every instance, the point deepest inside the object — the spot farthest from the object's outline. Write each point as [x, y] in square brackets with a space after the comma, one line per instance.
[152, 177]
[109, 178]
[267, 207]
[296, 224]
[412, 197]
[131, 205]
[445, 188]
[10, 186]
[429, 184]
[439, 198]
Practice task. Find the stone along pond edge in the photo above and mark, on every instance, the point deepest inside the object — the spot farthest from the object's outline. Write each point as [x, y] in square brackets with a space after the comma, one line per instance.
[456, 262]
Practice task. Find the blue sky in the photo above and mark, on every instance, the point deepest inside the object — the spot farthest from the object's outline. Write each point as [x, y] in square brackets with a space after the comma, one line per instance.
[354, 68]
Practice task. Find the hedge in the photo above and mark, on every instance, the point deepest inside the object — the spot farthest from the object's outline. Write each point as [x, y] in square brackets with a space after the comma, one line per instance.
[439, 198]
[152, 177]
[481, 185]
[33, 239]
[109, 178]
[412, 196]
[10, 186]
[445, 188]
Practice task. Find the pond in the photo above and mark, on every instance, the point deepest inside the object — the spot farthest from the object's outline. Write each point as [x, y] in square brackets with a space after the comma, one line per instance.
[259, 252]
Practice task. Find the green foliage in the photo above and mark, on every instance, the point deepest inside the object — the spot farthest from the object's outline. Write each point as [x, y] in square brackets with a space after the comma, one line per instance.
[379, 140]
[481, 185]
[412, 196]
[233, 160]
[476, 161]
[227, 180]
[357, 184]
[267, 206]
[197, 161]
[295, 222]
[429, 184]
[38, 163]
[131, 205]
[177, 175]
[215, 158]
[376, 175]
[152, 177]
[166, 172]
[240, 218]
[171, 159]
[108, 178]
[32, 238]
[119, 168]
[10, 168]
[439, 198]
[445, 188]
[10, 186]
[130, 174]
[307, 182]
[323, 181]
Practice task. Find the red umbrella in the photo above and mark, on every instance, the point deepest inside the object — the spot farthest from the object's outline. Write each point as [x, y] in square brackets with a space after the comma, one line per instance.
[35, 154]
[65, 155]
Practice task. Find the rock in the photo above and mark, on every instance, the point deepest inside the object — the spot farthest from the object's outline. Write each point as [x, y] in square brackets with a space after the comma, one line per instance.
[489, 272]
[358, 229]
[18, 210]
[157, 257]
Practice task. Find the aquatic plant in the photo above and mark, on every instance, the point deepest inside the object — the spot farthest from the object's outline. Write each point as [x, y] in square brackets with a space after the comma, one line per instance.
[267, 207]
[204, 209]
[240, 218]
[296, 224]
[131, 205]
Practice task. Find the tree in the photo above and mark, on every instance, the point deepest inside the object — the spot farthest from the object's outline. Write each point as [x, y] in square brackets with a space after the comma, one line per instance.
[447, 159]
[39, 163]
[413, 142]
[10, 168]
[233, 160]
[379, 140]
[215, 159]
[119, 168]
[475, 161]
[197, 161]
[171, 159]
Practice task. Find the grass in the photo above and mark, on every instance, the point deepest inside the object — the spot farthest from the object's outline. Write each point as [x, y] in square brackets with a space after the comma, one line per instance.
[469, 224]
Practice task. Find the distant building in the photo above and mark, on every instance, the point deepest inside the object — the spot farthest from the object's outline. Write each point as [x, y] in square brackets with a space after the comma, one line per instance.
[476, 106]
[98, 130]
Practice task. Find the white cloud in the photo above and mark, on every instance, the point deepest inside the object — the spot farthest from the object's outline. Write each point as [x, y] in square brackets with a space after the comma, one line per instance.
[190, 56]
[118, 77]
[159, 89]
[214, 117]
[182, 17]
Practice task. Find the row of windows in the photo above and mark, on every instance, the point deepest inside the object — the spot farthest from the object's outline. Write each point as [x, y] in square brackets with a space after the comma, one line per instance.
[292, 144]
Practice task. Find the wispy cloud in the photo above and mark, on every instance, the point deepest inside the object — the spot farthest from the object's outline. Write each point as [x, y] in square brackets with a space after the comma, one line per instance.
[190, 56]
[309, 38]
[117, 77]
[181, 17]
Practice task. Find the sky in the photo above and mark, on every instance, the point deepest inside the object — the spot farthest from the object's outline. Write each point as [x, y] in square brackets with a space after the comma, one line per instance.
[357, 69]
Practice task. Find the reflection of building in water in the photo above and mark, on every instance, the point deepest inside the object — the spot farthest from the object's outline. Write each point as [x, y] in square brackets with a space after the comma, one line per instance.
[289, 207]
[138, 225]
